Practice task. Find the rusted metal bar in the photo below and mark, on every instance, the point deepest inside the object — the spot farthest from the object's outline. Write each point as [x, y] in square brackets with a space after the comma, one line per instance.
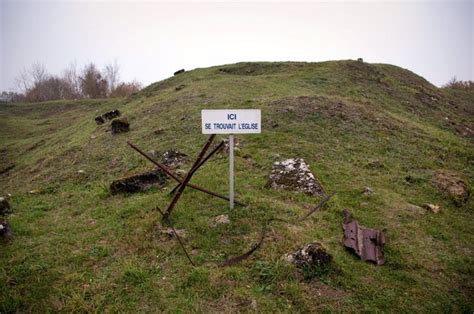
[321, 204]
[178, 238]
[176, 178]
[238, 259]
[201, 163]
[188, 177]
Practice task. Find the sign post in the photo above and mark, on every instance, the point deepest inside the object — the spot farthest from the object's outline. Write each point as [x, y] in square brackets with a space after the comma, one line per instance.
[231, 121]
[231, 171]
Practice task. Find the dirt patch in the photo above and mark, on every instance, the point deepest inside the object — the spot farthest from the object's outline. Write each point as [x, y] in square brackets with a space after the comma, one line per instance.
[320, 290]
[294, 175]
[452, 186]
[138, 183]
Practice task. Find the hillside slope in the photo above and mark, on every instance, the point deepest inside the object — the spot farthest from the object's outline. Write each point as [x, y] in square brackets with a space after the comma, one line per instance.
[77, 247]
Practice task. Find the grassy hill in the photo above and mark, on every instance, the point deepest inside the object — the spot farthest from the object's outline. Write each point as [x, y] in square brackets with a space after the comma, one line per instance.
[76, 247]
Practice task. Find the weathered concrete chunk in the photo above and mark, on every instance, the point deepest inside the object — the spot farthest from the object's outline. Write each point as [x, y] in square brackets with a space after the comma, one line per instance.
[4, 207]
[432, 208]
[173, 158]
[112, 114]
[99, 120]
[138, 183]
[367, 191]
[312, 254]
[5, 230]
[225, 148]
[294, 175]
[107, 116]
[120, 126]
[452, 186]
[178, 72]
[365, 242]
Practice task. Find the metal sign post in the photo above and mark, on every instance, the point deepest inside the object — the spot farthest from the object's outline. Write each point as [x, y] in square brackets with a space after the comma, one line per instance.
[231, 121]
[231, 171]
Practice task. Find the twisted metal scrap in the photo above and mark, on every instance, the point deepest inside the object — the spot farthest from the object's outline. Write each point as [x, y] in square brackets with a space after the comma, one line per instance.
[238, 259]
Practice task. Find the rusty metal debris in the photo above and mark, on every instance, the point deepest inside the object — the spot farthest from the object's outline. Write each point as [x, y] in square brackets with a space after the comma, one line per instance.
[178, 179]
[321, 204]
[367, 243]
[177, 238]
[238, 259]
[201, 163]
[188, 177]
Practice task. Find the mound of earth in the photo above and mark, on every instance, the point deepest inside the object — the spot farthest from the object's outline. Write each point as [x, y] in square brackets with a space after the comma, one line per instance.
[452, 186]
[294, 175]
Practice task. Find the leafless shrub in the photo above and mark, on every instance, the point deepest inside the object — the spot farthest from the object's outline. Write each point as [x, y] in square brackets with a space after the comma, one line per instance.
[126, 89]
[36, 84]
[93, 84]
[71, 77]
[111, 74]
[454, 83]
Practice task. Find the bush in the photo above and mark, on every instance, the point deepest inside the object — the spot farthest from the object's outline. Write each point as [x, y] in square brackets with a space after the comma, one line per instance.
[463, 85]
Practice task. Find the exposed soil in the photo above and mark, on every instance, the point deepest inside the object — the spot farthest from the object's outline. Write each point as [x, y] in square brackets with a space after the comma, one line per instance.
[452, 186]
[138, 183]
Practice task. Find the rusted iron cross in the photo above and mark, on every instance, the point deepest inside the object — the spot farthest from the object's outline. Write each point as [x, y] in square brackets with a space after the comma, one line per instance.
[183, 183]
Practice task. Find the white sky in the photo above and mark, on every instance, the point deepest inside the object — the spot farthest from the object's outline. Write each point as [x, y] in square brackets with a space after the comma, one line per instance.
[151, 40]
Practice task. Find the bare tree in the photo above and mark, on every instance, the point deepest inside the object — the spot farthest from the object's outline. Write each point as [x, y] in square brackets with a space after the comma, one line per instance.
[111, 74]
[71, 78]
[37, 85]
[93, 85]
[29, 77]
[454, 83]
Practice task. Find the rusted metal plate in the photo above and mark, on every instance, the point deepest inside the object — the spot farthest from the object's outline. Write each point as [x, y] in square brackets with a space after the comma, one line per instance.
[367, 243]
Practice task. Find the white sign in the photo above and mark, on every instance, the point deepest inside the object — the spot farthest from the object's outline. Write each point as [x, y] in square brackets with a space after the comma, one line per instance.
[231, 121]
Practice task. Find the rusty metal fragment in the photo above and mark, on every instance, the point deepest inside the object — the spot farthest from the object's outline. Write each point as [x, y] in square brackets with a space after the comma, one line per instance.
[176, 234]
[201, 163]
[315, 209]
[177, 179]
[367, 243]
[238, 259]
[188, 177]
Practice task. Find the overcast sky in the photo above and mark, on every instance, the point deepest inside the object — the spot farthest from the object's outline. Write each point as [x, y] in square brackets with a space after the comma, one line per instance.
[151, 40]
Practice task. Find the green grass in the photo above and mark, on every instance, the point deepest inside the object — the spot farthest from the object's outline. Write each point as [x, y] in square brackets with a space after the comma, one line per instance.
[75, 247]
